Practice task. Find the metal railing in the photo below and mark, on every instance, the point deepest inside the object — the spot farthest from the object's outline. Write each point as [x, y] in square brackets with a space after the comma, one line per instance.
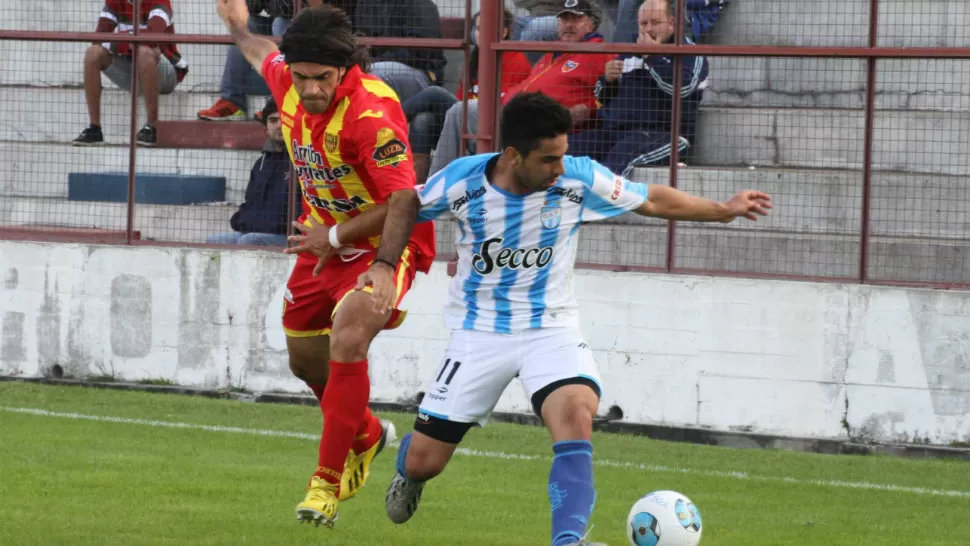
[491, 48]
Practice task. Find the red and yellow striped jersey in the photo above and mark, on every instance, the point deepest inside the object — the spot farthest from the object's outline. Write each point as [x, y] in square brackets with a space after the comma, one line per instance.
[351, 157]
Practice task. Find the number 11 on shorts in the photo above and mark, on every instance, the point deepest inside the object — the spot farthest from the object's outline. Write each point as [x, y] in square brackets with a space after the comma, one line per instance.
[454, 368]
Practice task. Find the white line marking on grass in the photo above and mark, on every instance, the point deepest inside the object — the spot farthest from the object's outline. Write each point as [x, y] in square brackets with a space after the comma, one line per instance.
[511, 456]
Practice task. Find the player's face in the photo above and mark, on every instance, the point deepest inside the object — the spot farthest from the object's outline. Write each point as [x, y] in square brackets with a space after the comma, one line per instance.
[654, 21]
[539, 170]
[274, 128]
[316, 85]
[573, 27]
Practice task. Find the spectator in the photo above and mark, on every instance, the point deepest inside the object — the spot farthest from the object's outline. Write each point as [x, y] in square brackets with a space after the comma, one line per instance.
[407, 71]
[239, 79]
[262, 218]
[160, 67]
[637, 97]
[700, 17]
[426, 110]
[541, 24]
[569, 78]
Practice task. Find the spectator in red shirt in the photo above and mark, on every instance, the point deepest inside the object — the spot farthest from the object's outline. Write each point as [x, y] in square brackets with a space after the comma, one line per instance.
[569, 78]
[160, 67]
[426, 110]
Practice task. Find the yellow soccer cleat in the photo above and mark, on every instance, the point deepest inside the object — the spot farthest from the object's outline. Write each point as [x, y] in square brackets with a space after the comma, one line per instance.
[320, 504]
[357, 467]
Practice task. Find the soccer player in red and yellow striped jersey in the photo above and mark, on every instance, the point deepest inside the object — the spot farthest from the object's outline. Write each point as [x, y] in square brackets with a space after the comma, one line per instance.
[347, 139]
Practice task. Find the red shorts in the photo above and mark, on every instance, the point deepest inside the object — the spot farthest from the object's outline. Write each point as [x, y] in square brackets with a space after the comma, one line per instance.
[311, 302]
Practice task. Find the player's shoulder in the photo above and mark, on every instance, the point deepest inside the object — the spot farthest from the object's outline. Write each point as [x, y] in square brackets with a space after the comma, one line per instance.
[374, 99]
[579, 168]
[468, 166]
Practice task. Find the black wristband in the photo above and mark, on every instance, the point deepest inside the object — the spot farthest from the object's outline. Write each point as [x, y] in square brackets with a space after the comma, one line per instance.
[383, 261]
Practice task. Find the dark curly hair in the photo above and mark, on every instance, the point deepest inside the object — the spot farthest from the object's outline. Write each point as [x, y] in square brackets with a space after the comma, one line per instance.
[324, 32]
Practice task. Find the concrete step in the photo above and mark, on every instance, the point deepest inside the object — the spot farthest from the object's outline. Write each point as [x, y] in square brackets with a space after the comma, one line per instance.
[59, 115]
[724, 249]
[807, 201]
[830, 201]
[41, 169]
[612, 244]
[785, 82]
[188, 224]
[905, 141]
[928, 23]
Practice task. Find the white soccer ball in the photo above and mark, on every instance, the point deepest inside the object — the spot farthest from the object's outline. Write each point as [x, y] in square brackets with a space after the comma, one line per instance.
[664, 518]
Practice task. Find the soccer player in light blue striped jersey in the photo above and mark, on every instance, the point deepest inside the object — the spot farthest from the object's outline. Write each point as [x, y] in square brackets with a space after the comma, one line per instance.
[510, 308]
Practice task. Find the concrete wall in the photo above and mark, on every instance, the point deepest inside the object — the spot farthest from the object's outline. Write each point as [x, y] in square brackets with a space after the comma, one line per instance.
[801, 359]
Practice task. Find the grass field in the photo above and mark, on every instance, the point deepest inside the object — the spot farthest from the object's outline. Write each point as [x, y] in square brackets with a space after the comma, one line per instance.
[85, 466]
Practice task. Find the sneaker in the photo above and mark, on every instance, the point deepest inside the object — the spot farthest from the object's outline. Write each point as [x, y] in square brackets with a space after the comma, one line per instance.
[223, 110]
[402, 498]
[92, 136]
[320, 505]
[147, 136]
[357, 467]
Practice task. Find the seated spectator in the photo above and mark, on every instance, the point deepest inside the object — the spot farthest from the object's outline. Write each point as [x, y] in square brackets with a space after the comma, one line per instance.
[262, 218]
[407, 71]
[700, 17]
[160, 67]
[569, 78]
[637, 97]
[541, 23]
[426, 110]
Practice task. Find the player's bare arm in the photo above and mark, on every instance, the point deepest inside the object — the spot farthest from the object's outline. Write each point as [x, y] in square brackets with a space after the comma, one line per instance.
[321, 240]
[235, 15]
[402, 213]
[672, 204]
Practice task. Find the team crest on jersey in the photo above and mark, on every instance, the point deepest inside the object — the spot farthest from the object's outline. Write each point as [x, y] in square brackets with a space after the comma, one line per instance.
[550, 216]
[389, 150]
[330, 141]
[569, 66]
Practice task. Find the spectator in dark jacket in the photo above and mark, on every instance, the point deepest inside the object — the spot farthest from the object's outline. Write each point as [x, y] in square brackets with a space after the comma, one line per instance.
[636, 94]
[262, 219]
[700, 16]
[407, 71]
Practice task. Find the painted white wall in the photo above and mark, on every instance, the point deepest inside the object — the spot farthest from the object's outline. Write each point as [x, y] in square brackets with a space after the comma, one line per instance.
[788, 358]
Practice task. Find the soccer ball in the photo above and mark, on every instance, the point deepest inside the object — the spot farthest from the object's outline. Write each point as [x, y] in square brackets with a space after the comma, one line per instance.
[664, 518]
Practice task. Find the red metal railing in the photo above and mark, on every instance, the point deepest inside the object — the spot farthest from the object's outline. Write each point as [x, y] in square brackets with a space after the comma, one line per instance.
[492, 47]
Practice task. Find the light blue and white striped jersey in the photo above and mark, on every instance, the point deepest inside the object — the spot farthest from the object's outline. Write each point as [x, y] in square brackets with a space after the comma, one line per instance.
[516, 252]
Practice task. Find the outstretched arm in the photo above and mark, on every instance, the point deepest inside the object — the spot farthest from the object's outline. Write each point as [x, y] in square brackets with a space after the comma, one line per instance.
[235, 15]
[672, 204]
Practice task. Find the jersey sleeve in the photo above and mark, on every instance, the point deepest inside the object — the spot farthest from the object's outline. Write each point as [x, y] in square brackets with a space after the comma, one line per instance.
[433, 196]
[381, 142]
[608, 194]
[277, 75]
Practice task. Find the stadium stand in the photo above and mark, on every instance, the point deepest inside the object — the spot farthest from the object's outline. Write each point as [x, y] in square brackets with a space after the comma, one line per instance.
[792, 127]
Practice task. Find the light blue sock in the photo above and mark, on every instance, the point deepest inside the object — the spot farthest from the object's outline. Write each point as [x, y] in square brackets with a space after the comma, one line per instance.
[571, 491]
[402, 454]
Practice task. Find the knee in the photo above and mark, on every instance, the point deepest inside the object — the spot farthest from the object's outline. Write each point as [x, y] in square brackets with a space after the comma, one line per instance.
[423, 464]
[350, 343]
[309, 360]
[577, 417]
[147, 57]
[96, 54]
[308, 371]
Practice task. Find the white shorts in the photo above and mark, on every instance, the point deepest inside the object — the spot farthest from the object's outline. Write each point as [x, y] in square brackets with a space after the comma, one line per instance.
[478, 366]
